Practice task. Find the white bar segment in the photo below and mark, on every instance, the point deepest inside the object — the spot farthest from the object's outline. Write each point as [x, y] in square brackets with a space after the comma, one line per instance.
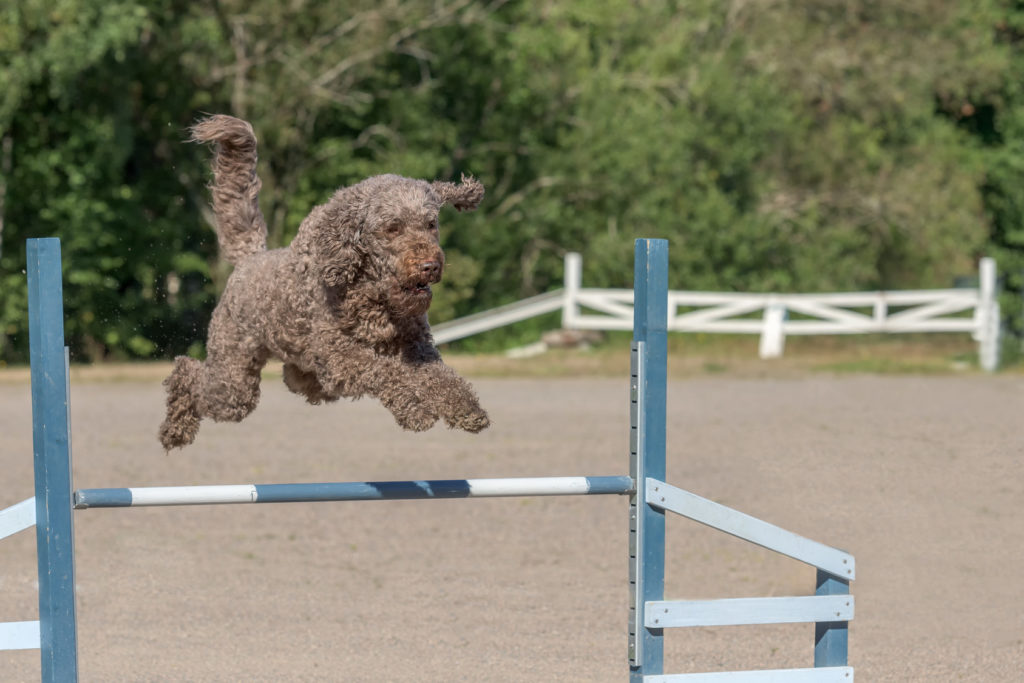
[194, 495]
[19, 635]
[718, 516]
[828, 674]
[545, 486]
[743, 611]
[17, 517]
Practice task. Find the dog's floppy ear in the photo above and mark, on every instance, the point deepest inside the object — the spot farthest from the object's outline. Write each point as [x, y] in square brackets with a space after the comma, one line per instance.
[340, 260]
[464, 196]
[331, 247]
[340, 271]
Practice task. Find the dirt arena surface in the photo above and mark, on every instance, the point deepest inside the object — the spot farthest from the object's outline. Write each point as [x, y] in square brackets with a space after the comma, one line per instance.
[919, 477]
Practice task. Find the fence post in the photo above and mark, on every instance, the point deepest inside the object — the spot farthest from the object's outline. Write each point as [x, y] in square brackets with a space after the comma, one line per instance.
[573, 284]
[647, 452]
[52, 461]
[989, 322]
[773, 334]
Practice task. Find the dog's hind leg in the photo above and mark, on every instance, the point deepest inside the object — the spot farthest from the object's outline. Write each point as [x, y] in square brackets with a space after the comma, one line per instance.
[229, 387]
[224, 391]
[225, 387]
[182, 423]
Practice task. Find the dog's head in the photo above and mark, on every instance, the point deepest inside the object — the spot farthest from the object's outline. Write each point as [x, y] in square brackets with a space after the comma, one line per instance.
[384, 230]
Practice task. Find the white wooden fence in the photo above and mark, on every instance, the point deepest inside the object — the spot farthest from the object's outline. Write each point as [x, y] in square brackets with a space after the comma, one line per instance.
[772, 316]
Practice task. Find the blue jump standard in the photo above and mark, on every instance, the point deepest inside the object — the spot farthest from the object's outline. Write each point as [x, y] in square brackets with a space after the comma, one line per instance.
[357, 490]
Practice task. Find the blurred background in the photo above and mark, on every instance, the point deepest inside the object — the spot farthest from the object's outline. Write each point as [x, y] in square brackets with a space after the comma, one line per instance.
[820, 145]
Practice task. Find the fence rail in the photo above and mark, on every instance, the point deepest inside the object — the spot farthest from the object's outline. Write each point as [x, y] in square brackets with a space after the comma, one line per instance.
[973, 311]
[499, 317]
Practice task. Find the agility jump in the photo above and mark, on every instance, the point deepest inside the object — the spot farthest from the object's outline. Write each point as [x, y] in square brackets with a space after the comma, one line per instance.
[51, 510]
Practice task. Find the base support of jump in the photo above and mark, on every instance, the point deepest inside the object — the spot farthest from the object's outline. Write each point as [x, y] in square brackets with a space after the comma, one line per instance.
[55, 633]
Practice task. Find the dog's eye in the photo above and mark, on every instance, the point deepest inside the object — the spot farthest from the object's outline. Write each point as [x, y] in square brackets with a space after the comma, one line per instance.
[433, 226]
[393, 229]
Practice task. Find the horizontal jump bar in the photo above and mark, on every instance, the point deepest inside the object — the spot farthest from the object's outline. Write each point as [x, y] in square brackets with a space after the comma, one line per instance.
[357, 490]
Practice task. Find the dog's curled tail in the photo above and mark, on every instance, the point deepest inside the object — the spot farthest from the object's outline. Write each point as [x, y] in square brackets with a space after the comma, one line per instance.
[241, 229]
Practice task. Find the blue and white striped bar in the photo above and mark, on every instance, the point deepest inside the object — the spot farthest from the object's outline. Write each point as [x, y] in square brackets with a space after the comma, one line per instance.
[828, 559]
[19, 635]
[831, 674]
[18, 517]
[358, 490]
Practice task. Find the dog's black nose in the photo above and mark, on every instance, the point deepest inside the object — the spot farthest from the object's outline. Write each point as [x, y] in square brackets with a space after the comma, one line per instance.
[431, 269]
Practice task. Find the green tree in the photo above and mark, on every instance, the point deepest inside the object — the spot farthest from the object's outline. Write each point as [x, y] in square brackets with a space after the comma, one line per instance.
[87, 157]
[778, 145]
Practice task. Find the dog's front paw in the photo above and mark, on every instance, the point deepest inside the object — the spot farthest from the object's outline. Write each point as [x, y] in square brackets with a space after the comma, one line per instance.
[473, 420]
[415, 417]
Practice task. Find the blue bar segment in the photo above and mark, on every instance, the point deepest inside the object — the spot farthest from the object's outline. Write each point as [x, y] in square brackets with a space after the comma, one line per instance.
[831, 638]
[610, 485]
[362, 490]
[103, 498]
[52, 460]
[650, 325]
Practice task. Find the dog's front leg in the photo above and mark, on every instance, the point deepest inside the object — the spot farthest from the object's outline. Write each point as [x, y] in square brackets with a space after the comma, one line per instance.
[454, 398]
[357, 372]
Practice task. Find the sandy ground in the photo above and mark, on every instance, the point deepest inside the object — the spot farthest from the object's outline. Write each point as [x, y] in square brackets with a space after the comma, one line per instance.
[920, 478]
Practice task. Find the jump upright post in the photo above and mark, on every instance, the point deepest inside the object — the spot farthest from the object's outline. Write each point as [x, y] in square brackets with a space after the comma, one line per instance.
[648, 378]
[51, 445]
[649, 497]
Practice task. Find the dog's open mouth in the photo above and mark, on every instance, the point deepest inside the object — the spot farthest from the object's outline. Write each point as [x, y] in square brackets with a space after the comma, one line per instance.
[419, 289]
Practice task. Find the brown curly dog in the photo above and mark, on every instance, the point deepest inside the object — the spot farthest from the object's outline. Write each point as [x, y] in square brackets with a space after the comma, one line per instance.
[345, 306]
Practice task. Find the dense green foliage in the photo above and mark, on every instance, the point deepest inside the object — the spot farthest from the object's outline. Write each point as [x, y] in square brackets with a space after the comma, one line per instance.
[788, 146]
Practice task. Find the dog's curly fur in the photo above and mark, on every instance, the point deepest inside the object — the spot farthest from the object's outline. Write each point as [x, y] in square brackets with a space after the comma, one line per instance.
[344, 306]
